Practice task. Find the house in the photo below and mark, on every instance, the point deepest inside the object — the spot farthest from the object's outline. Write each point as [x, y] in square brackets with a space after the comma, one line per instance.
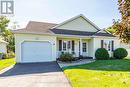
[43, 42]
[3, 45]
[127, 47]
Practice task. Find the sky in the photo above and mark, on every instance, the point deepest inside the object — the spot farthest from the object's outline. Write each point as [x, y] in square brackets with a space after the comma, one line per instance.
[100, 12]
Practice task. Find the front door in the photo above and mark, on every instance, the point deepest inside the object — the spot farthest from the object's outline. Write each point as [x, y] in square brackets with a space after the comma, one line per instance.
[84, 48]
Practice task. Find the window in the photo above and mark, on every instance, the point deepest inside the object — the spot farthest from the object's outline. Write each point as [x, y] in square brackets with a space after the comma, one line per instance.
[84, 47]
[108, 45]
[64, 45]
[73, 45]
[60, 45]
[69, 44]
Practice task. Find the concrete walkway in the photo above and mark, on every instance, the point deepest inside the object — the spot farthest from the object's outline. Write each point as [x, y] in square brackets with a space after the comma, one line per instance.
[34, 75]
[78, 62]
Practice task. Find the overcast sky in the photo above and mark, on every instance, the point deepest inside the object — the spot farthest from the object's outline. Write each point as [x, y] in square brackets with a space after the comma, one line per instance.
[101, 12]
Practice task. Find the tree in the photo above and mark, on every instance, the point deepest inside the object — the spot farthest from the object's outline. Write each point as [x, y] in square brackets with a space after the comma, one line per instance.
[111, 30]
[122, 27]
[4, 21]
[6, 33]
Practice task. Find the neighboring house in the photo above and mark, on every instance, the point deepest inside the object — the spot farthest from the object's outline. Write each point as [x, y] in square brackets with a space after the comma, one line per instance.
[127, 47]
[42, 42]
[3, 45]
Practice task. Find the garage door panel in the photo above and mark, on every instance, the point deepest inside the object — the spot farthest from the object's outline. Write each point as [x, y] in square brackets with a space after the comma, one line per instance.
[36, 51]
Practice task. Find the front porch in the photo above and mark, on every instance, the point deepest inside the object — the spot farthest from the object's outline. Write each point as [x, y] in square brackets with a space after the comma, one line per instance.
[78, 46]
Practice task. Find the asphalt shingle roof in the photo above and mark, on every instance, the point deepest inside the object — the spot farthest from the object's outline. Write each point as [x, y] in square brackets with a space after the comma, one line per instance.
[45, 28]
[71, 32]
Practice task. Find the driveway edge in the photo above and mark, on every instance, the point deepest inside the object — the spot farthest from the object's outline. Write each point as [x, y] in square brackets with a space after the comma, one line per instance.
[64, 74]
[6, 69]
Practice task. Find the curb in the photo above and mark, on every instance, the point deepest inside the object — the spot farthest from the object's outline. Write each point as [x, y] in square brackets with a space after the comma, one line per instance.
[6, 69]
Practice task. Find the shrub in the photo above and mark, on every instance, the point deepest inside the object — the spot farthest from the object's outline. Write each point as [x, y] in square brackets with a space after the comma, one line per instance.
[11, 54]
[66, 57]
[120, 53]
[1, 55]
[112, 58]
[101, 54]
[81, 57]
[5, 56]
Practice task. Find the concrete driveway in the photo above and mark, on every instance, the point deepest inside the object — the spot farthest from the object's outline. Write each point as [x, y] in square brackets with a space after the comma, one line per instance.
[34, 75]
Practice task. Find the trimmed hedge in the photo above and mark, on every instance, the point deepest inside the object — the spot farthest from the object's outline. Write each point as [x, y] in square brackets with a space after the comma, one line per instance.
[120, 53]
[101, 54]
[65, 57]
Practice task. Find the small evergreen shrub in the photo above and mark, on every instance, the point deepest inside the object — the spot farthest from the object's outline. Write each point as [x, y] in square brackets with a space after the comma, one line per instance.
[101, 54]
[65, 57]
[120, 53]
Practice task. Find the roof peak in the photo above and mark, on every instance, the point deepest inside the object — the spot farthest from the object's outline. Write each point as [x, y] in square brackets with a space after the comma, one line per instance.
[75, 17]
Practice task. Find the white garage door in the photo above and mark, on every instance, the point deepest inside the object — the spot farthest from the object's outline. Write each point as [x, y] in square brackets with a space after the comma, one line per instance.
[36, 52]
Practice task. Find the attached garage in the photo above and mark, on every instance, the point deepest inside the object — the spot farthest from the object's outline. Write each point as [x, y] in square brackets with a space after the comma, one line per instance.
[36, 51]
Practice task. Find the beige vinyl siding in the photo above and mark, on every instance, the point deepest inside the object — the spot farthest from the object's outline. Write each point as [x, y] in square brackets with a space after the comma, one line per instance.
[78, 24]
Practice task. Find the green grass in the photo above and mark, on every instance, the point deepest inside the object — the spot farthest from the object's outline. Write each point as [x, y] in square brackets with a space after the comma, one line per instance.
[6, 63]
[101, 73]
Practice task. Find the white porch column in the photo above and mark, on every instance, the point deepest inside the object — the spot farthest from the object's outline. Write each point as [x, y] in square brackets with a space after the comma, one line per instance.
[94, 47]
[81, 46]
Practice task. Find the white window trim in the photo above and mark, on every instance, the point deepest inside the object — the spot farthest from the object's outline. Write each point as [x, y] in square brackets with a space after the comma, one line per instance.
[86, 46]
[108, 43]
[67, 50]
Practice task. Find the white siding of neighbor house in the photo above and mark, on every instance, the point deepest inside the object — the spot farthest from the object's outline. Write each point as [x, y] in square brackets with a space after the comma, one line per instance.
[79, 24]
[3, 48]
[20, 38]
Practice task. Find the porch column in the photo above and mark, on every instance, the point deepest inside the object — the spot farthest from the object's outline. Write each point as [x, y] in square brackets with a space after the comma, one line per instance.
[80, 46]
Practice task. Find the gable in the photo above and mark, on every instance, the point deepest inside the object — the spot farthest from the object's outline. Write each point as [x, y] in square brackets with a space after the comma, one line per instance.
[78, 24]
[102, 31]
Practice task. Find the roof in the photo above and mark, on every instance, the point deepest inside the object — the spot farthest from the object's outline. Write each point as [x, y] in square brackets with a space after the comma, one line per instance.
[71, 32]
[103, 34]
[81, 33]
[34, 27]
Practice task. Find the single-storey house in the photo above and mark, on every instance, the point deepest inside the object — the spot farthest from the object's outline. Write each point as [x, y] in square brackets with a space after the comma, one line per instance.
[3, 44]
[43, 42]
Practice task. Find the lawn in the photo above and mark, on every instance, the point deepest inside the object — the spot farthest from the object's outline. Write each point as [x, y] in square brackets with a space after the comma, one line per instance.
[6, 62]
[101, 73]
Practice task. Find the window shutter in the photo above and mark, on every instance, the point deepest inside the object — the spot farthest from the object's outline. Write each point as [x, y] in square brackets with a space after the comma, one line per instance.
[72, 45]
[60, 45]
[112, 45]
[102, 43]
